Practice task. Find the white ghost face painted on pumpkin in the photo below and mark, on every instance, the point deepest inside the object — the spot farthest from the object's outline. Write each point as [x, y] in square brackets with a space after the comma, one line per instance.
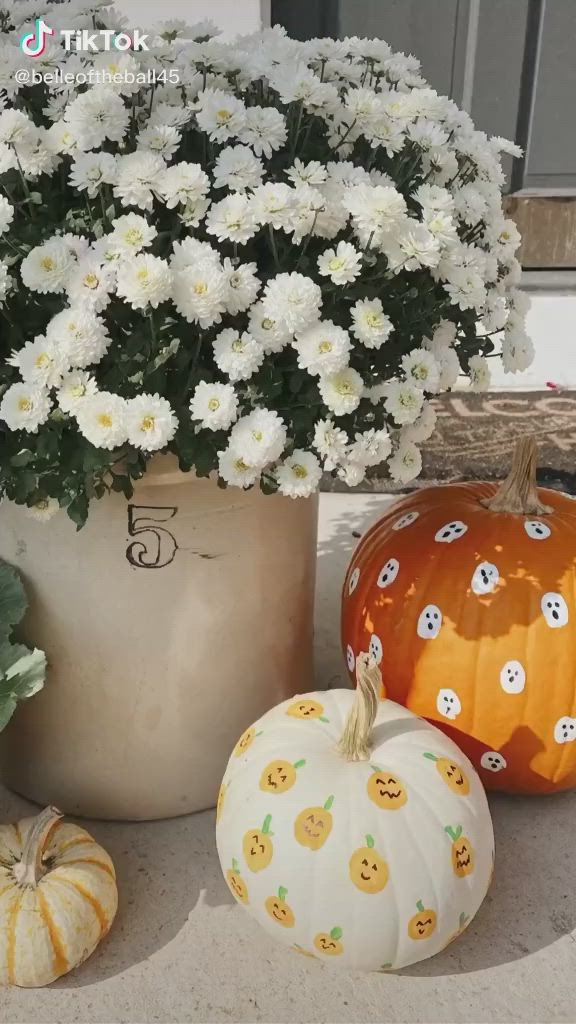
[375, 648]
[350, 659]
[448, 703]
[536, 529]
[353, 581]
[484, 578]
[429, 622]
[492, 761]
[388, 573]
[406, 520]
[450, 532]
[565, 730]
[554, 610]
[512, 677]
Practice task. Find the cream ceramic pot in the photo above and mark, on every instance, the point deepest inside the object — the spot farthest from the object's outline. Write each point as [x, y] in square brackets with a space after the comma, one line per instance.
[133, 722]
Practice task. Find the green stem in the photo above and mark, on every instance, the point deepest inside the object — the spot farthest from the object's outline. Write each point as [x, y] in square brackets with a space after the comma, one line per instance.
[273, 246]
[296, 131]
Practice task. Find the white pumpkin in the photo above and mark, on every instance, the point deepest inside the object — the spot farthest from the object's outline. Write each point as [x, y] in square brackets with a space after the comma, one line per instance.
[354, 831]
[58, 898]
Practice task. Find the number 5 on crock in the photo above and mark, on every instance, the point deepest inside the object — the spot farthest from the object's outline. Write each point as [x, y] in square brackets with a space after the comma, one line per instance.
[157, 546]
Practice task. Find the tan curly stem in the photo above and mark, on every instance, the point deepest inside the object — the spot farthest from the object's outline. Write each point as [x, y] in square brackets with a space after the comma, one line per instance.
[354, 743]
[30, 869]
[518, 493]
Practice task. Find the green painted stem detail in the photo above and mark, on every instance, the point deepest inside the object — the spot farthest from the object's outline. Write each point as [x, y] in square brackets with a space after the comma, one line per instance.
[235, 866]
[266, 826]
[420, 906]
[431, 757]
[336, 934]
[328, 804]
[282, 893]
[369, 842]
[299, 764]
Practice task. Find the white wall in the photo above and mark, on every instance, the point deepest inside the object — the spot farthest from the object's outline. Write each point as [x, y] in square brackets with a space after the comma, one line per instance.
[233, 16]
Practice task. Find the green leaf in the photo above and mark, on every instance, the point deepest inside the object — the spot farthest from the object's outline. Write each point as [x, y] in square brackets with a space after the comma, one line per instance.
[22, 458]
[78, 510]
[13, 601]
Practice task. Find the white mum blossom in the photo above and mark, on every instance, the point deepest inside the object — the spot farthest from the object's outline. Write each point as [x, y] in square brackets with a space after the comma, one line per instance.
[46, 267]
[421, 369]
[6, 281]
[375, 210]
[91, 281]
[150, 422]
[120, 70]
[517, 351]
[74, 388]
[190, 251]
[40, 362]
[232, 219]
[403, 401]
[144, 281]
[323, 348]
[6, 214]
[264, 130]
[434, 199]
[418, 246]
[406, 463]
[96, 116]
[479, 370]
[194, 212]
[272, 334]
[16, 129]
[342, 264]
[341, 392]
[370, 324]
[272, 204]
[237, 355]
[237, 168]
[80, 334]
[44, 510]
[259, 438]
[199, 292]
[59, 138]
[162, 139]
[331, 442]
[220, 114]
[243, 285]
[233, 469]
[444, 334]
[370, 447]
[299, 475]
[422, 428]
[351, 473]
[141, 177]
[448, 362]
[25, 406]
[215, 405]
[90, 171]
[312, 173]
[102, 420]
[183, 183]
[293, 299]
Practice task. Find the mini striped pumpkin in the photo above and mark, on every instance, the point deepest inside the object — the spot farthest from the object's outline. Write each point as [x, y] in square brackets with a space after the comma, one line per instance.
[58, 898]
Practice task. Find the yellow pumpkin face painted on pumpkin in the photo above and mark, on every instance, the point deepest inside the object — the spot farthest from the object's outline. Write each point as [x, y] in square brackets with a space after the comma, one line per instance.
[236, 883]
[278, 776]
[462, 852]
[279, 910]
[257, 846]
[423, 924]
[246, 740]
[329, 942]
[368, 870]
[307, 709]
[313, 825]
[220, 802]
[453, 775]
[386, 790]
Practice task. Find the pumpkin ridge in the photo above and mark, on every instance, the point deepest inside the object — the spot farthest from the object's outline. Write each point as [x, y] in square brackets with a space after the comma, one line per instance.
[89, 860]
[94, 903]
[76, 841]
[11, 937]
[61, 965]
[16, 827]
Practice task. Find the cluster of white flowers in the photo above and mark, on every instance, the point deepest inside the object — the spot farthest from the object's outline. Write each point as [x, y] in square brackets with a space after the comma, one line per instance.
[296, 315]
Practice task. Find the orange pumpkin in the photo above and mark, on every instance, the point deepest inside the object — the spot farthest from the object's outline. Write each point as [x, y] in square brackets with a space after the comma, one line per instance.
[466, 596]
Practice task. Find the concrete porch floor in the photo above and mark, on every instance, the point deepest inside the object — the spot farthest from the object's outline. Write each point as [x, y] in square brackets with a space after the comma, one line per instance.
[181, 951]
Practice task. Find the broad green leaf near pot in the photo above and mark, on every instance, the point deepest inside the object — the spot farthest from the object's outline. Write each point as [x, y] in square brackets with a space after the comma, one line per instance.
[13, 601]
[22, 671]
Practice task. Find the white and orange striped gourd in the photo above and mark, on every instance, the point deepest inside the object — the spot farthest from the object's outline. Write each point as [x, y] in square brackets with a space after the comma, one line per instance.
[58, 898]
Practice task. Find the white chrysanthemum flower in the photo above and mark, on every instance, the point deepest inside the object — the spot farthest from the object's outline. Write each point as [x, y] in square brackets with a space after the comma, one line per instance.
[243, 285]
[81, 334]
[370, 324]
[323, 348]
[479, 371]
[517, 351]
[43, 510]
[183, 183]
[140, 178]
[312, 173]
[237, 168]
[232, 219]
[341, 392]
[95, 116]
[215, 405]
[199, 292]
[342, 264]
[417, 246]
[259, 438]
[299, 475]
[220, 114]
[445, 334]
[6, 281]
[331, 442]
[150, 422]
[16, 129]
[432, 198]
[91, 281]
[162, 139]
[264, 130]
[422, 428]
[375, 210]
[101, 420]
[406, 463]
[351, 473]
[190, 251]
[237, 355]
[46, 268]
[449, 364]
[233, 469]
[91, 170]
[25, 407]
[421, 369]
[441, 226]
[403, 401]
[272, 334]
[40, 362]
[370, 448]
[144, 281]
[272, 203]
[6, 214]
[74, 388]
[118, 71]
[293, 299]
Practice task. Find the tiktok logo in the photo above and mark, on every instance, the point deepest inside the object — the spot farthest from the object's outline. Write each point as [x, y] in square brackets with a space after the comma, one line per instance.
[33, 43]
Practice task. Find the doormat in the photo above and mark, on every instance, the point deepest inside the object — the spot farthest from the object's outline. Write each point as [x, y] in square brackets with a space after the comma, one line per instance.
[475, 436]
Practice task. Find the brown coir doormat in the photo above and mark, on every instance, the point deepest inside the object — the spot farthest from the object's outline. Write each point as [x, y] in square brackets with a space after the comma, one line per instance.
[475, 435]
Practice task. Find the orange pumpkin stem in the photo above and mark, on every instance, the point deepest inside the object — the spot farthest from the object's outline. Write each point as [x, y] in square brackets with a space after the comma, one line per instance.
[30, 869]
[354, 743]
[518, 493]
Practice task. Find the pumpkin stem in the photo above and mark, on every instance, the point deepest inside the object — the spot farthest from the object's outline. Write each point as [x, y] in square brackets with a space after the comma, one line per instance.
[354, 743]
[30, 869]
[518, 493]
